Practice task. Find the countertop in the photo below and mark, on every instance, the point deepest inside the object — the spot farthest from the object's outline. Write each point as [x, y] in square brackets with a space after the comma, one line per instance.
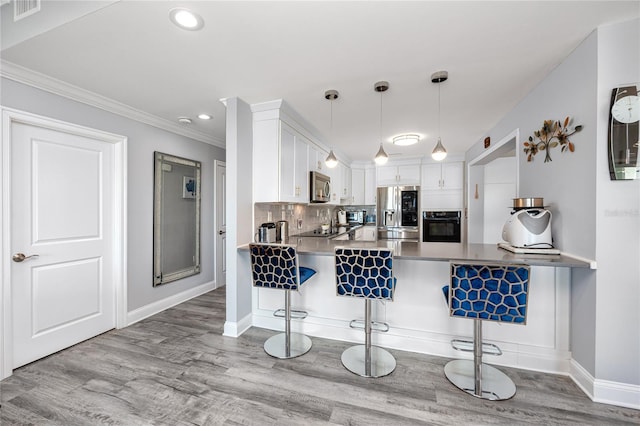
[438, 252]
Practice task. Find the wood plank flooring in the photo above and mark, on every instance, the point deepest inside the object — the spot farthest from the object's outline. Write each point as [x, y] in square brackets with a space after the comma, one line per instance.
[176, 368]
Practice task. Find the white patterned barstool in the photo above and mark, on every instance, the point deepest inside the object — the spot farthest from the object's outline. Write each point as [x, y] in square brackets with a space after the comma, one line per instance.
[276, 266]
[485, 292]
[366, 273]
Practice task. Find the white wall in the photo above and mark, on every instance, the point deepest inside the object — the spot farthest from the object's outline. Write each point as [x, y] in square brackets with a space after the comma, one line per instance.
[593, 217]
[143, 140]
[239, 213]
[618, 220]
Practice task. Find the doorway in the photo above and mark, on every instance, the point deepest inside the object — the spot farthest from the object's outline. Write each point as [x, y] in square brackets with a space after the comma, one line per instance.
[63, 219]
[492, 183]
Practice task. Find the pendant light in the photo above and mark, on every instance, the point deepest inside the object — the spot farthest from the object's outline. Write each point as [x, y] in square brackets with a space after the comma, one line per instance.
[331, 160]
[381, 157]
[439, 153]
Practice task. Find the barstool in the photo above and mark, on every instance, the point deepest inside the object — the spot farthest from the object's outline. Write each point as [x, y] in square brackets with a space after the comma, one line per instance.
[276, 266]
[485, 292]
[366, 273]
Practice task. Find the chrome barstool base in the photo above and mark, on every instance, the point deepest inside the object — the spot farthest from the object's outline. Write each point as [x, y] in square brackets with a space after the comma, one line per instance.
[496, 385]
[276, 346]
[382, 362]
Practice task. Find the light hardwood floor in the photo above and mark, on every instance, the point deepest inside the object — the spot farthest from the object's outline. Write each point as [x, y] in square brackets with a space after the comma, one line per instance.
[176, 368]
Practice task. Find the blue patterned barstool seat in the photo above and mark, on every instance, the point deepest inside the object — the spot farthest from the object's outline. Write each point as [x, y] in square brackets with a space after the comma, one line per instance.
[366, 273]
[485, 292]
[276, 266]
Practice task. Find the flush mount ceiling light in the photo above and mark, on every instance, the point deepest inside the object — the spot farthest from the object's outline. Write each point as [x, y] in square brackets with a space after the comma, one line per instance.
[381, 157]
[439, 153]
[331, 160]
[406, 140]
[184, 120]
[186, 19]
[204, 116]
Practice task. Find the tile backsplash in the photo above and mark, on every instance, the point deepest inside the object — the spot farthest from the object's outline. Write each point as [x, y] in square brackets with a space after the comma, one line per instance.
[301, 217]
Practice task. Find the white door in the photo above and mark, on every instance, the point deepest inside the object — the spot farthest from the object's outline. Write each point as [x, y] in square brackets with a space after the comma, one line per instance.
[221, 224]
[62, 210]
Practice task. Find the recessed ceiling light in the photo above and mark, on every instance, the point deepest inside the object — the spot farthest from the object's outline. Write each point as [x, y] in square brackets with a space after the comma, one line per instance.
[406, 140]
[204, 116]
[184, 120]
[186, 19]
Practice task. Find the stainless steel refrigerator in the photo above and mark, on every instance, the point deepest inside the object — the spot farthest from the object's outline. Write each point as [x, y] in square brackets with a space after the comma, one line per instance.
[398, 213]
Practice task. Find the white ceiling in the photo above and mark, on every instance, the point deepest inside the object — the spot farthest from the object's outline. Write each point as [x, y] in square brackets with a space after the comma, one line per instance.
[495, 52]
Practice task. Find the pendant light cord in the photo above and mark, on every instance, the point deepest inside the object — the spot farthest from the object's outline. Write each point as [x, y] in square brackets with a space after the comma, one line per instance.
[331, 120]
[380, 123]
[439, 115]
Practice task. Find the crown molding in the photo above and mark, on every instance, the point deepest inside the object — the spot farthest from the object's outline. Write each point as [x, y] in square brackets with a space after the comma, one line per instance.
[44, 82]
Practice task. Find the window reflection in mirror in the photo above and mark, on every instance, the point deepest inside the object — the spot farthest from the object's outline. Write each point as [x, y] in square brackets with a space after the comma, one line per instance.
[176, 218]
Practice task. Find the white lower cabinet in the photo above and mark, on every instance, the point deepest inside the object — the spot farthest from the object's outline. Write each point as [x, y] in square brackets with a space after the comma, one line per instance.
[343, 237]
[369, 233]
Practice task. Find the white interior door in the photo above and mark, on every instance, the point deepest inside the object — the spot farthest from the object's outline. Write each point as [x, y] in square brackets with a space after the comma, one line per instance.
[221, 224]
[62, 210]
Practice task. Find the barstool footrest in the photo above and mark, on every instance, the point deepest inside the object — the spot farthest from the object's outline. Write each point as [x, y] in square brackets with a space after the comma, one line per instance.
[467, 346]
[281, 313]
[375, 325]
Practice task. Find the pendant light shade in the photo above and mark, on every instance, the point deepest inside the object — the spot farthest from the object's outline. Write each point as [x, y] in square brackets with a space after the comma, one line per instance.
[439, 153]
[381, 157]
[331, 161]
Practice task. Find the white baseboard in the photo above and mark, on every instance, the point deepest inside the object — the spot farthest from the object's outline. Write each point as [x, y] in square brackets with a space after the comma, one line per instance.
[161, 305]
[616, 393]
[605, 391]
[582, 378]
[235, 329]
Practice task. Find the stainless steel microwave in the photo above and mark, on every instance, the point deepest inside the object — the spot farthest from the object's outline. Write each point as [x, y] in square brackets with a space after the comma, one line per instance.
[320, 188]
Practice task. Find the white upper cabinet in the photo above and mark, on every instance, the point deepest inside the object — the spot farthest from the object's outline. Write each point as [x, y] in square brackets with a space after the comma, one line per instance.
[316, 160]
[294, 171]
[408, 174]
[280, 163]
[442, 186]
[370, 186]
[336, 183]
[345, 172]
[357, 186]
[442, 176]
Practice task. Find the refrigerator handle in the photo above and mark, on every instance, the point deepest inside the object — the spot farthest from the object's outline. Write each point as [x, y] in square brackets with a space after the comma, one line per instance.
[388, 217]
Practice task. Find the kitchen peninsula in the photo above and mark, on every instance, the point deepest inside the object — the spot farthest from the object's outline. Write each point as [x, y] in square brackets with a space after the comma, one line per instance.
[418, 317]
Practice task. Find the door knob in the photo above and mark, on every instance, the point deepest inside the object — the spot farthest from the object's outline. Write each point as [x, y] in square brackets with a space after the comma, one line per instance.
[19, 257]
[221, 232]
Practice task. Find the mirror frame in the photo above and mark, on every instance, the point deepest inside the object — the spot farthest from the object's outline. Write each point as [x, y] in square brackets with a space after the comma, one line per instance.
[159, 276]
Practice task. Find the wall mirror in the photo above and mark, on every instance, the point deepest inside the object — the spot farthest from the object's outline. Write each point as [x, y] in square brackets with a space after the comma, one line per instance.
[624, 162]
[176, 218]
